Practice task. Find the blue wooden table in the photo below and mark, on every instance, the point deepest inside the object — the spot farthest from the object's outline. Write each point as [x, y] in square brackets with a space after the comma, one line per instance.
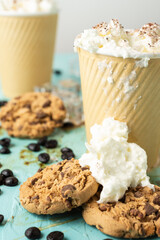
[24, 164]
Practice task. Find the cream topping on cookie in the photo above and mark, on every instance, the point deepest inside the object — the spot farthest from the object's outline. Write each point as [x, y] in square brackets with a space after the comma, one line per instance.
[115, 163]
[27, 6]
[112, 39]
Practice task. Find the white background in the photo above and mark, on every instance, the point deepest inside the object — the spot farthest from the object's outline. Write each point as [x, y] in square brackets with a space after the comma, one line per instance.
[77, 15]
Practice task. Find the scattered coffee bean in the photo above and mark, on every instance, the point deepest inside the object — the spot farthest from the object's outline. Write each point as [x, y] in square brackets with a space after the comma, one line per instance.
[5, 142]
[1, 179]
[2, 103]
[33, 233]
[7, 173]
[67, 125]
[1, 218]
[63, 157]
[42, 141]
[67, 153]
[66, 150]
[55, 236]
[34, 147]
[51, 144]
[11, 181]
[44, 157]
[67, 156]
[5, 150]
[57, 72]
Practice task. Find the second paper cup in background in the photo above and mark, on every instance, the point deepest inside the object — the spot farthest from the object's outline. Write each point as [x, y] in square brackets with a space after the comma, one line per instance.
[26, 51]
[126, 90]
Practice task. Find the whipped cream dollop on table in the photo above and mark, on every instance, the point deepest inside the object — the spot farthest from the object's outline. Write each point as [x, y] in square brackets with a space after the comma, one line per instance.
[115, 163]
[27, 6]
[114, 40]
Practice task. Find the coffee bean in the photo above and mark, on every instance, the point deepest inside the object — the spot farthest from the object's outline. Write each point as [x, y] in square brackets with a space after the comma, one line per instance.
[44, 157]
[67, 155]
[33, 233]
[42, 141]
[55, 236]
[2, 103]
[5, 150]
[57, 72]
[70, 156]
[1, 179]
[108, 239]
[11, 181]
[51, 144]
[7, 173]
[5, 142]
[66, 150]
[34, 147]
[63, 157]
[1, 218]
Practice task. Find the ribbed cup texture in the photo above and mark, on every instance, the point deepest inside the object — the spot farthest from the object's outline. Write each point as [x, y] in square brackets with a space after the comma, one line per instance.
[26, 52]
[117, 87]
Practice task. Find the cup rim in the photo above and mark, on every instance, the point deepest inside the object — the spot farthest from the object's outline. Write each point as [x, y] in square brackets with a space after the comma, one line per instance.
[140, 56]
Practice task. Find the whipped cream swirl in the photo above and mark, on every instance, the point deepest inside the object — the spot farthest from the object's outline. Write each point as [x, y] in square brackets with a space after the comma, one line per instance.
[112, 39]
[115, 163]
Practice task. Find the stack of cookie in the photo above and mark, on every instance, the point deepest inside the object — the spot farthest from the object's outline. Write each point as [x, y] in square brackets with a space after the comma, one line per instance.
[66, 185]
[61, 187]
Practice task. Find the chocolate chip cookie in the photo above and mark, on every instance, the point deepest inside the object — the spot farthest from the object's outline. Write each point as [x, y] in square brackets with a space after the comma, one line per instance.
[136, 215]
[32, 115]
[58, 188]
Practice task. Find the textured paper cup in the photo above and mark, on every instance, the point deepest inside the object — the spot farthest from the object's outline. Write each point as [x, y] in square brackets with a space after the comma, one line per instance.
[120, 88]
[26, 51]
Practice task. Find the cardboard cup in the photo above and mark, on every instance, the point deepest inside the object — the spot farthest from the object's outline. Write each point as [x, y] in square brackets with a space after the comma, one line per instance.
[26, 51]
[123, 89]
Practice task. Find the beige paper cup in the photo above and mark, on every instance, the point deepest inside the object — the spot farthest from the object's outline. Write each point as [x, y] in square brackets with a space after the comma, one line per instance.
[26, 51]
[123, 89]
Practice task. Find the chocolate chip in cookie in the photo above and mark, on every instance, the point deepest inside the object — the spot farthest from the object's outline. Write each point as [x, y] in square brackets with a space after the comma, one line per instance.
[156, 200]
[149, 209]
[67, 189]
